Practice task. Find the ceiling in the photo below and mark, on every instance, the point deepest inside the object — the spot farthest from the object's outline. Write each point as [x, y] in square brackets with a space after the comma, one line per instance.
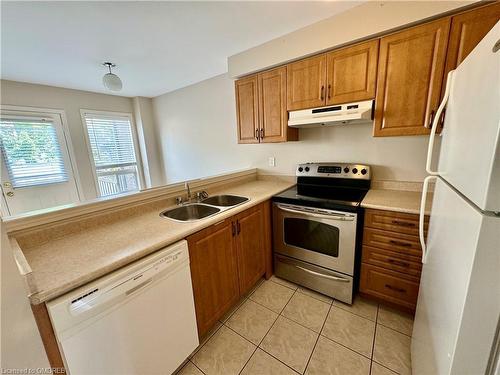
[157, 46]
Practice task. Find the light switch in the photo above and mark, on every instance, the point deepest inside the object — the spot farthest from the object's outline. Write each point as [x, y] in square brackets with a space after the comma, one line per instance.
[272, 161]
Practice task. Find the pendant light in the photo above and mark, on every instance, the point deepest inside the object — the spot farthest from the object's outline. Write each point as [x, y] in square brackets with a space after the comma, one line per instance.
[110, 80]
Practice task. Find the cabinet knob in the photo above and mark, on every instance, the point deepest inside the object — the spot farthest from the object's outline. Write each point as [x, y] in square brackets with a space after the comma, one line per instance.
[257, 134]
[322, 94]
[329, 91]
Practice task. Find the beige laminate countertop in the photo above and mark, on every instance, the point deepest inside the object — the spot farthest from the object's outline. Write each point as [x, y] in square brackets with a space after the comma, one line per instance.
[61, 265]
[395, 200]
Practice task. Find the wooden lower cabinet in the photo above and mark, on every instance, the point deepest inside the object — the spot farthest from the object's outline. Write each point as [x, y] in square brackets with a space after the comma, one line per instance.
[391, 258]
[214, 273]
[227, 259]
[389, 286]
[250, 247]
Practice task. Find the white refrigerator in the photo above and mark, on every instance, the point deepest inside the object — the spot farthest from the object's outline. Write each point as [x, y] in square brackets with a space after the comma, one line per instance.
[457, 318]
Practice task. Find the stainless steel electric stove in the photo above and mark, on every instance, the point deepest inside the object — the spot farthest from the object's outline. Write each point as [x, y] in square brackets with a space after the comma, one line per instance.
[317, 228]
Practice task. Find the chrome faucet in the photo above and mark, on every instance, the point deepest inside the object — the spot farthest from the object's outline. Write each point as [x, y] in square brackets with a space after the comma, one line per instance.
[186, 185]
[199, 196]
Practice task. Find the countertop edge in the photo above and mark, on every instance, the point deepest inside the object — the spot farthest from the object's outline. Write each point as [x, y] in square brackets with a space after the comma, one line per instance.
[41, 296]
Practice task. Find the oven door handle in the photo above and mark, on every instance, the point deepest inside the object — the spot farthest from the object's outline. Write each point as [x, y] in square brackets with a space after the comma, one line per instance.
[322, 275]
[313, 214]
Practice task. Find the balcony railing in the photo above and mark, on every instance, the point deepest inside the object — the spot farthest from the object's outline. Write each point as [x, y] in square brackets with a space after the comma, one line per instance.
[117, 180]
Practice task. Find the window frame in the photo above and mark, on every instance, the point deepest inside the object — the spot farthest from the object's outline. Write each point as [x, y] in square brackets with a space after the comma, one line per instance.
[19, 110]
[67, 174]
[135, 141]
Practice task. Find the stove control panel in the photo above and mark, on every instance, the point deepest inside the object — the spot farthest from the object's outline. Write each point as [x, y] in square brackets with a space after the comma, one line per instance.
[334, 170]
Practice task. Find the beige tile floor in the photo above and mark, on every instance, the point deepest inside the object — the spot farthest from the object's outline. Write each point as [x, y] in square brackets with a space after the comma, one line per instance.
[280, 328]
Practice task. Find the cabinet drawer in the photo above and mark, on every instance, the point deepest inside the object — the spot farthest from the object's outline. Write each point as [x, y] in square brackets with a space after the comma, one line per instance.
[391, 260]
[401, 243]
[394, 221]
[389, 286]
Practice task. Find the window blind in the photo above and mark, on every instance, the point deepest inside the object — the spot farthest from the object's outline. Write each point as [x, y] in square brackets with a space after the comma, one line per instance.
[112, 146]
[31, 152]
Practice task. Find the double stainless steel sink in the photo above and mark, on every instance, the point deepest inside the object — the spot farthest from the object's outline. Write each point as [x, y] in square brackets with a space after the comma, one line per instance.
[206, 208]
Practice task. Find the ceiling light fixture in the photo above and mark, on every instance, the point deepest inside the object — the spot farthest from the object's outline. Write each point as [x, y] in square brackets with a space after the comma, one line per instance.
[111, 81]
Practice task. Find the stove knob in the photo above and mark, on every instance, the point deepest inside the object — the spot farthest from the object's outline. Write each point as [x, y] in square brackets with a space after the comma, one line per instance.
[307, 169]
[355, 170]
[363, 171]
[301, 169]
[346, 170]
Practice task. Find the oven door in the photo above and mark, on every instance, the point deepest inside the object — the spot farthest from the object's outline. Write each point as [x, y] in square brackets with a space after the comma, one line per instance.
[323, 237]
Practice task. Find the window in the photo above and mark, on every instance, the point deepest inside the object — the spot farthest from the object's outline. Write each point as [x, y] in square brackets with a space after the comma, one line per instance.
[31, 151]
[111, 142]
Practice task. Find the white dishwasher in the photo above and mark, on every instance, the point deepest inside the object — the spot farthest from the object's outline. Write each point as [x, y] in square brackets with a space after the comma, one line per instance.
[137, 320]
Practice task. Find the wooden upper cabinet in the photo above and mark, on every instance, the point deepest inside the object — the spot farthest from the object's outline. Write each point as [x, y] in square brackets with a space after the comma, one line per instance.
[273, 116]
[214, 273]
[352, 73]
[410, 75]
[306, 81]
[247, 111]
[467, 30]
[251, 247]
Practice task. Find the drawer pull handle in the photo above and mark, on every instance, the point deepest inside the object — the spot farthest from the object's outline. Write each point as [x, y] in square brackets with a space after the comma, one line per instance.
[398, 263]
[399, 243]
[403, 223]
[399, 290]
[341, 279]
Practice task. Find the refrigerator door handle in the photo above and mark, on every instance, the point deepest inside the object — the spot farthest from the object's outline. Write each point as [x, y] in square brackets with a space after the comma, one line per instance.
[435, 123]
[423, 202]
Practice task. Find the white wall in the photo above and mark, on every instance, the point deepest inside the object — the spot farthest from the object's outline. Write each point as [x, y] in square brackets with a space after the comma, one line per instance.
[197, 130]
[71, 101]
[21, 345]
[150, 152]
[367, 19]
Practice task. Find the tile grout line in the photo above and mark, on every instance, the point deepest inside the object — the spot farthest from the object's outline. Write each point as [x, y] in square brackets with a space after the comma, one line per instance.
[207, 340]
[395, 330]
[350, 349]
[194, 364]
[263, 349]
[260, 342]
[374, 338]
[317, 338]
[390, 369]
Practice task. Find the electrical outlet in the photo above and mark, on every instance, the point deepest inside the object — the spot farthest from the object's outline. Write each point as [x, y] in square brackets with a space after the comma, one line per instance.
[272, 161]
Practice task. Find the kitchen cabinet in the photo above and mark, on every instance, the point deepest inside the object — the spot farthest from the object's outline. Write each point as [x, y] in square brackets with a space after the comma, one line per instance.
[306, 80]
[467, 30]
[247, 109]
[261, 108]
[352, 73]
[273, 117]
[227, 259]
[409, 79]
[250, 247]
[344, 75]
[391, 257]
[214, 273]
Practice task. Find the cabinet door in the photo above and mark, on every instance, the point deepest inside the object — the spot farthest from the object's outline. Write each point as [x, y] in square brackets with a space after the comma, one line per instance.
[247, 112]
[352, 73]
[410, 75]
[214, 273]
[467, 30]
[251, 247]
[306, 83]
[272, 107]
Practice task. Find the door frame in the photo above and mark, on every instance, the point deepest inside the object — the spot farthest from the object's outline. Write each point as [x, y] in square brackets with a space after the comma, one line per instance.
[27, 110]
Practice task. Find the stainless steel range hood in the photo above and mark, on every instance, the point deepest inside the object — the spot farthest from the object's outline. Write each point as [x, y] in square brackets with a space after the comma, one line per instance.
[342, 114]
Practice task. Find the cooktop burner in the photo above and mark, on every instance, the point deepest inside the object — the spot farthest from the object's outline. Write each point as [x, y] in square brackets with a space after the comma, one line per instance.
[328, 185]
